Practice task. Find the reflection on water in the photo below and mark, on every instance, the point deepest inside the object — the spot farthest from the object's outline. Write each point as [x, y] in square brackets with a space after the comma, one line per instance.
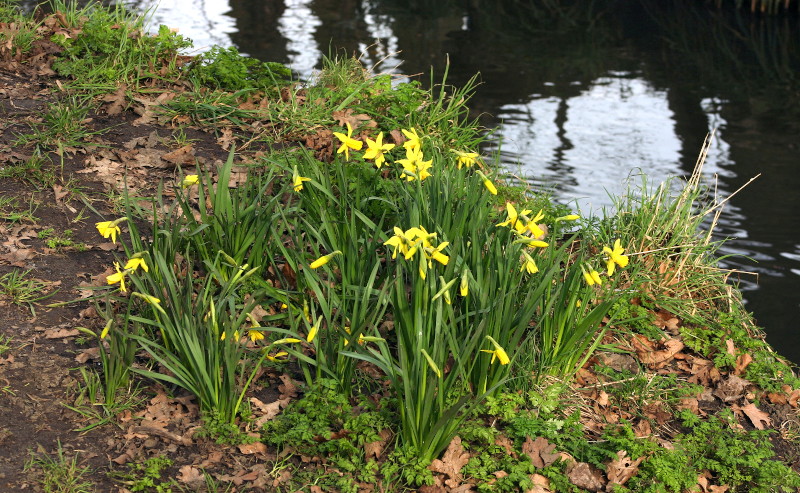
[583, 110]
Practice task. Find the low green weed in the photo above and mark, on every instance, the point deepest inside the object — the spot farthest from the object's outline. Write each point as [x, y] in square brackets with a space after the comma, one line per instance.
[61, 474]
[22, 291]
[148, 476]
[226, 69]
[13, 212]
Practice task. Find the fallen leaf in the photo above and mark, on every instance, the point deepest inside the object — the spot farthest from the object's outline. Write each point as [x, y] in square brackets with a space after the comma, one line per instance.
[191, 475]
[226, 139]
[586, 476]
[540, 484]
[344, 117]
[540, 452]
[742, 361]
[180, 157]
[759, 418]
[60, 333]
[647, 353]
[452, 461]
[116, 100]
[253, 448]
[731, 389]
[621, 469]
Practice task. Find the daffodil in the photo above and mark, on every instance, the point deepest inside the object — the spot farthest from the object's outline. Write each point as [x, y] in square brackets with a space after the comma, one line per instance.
[348, 142]
[313, 332]
[528, 264]
[277, 356]
[435, 253]
[401, 241]
[189, 180]
[488, 184]
[531, 242]
[118, 277]
[324, 259]
[135, 263]
[591, 277]
[431, 363]
[615, 257]
[568, 217]
[463, 287]
[413, 165]
[110, 228]
[465, 158]
[376, 148]
[235, 335]
[497, 353]
[105, 330]
[413, 141]
[255, 335]
[297, 180]
[150, 299]
[287, 340]
[533, 225]
[513, 221]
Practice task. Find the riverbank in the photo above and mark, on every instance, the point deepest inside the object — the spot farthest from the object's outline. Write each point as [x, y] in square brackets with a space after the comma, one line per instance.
[575, 377]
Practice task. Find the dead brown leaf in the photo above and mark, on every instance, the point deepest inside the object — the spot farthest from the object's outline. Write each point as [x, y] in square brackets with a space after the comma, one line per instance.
[731, 389]
[181, 156]
[586, 476]
[759, 418]
[60, 333]
[253, 448]
[116, 100]
[621, 469]
[344, 117]
[649, 355]
[540, 452]
[191, 476]
[226, 139]
[452, 461]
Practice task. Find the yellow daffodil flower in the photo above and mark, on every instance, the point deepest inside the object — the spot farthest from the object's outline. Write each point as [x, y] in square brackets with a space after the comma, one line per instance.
[465, 158]
[435, 253]
[531, 242]
[413, 141]
[403, 242]
[498, 353]
[189, 180]
[313, 332]
[513, 221]
[110, 228]
[135, 263]
[376, 148]
[348, 142]
[235, 335]
[150, 299]
[568, 217]
[615, 257]
[488, 184]
[297, 180]
[591, 277]
[413, 165]
[104, 333]
[255, 335]
[431, 363]
[324, 259]
[463, 287]
[529, 264]
[118, 277]
[533, 225]
[277, 356]
[287, 340]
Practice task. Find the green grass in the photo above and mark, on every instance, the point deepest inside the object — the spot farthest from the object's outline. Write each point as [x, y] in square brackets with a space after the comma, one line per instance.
[61, 474]
[16, 287]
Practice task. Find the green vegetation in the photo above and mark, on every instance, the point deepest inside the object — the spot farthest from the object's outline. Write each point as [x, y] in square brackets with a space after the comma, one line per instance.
[61, 474]
[445, 327]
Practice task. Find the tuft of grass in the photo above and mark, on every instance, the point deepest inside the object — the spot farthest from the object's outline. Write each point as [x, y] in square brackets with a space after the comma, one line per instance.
[61, 474]
[23, 291]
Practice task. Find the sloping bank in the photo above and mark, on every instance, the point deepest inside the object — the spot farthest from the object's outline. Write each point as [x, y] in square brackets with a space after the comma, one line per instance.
[325, 287]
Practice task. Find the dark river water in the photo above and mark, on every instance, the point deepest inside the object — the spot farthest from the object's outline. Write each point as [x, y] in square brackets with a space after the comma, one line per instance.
[584, 99]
